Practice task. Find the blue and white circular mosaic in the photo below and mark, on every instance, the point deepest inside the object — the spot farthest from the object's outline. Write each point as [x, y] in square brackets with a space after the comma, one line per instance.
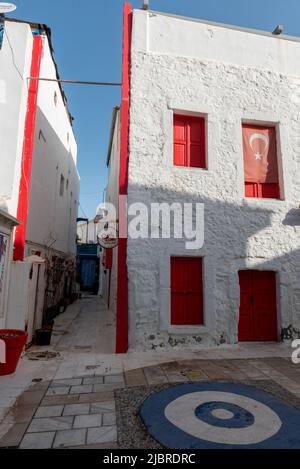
[220, 415]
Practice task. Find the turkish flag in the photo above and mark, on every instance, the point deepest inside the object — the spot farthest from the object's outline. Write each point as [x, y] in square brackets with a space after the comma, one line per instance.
[260, 154]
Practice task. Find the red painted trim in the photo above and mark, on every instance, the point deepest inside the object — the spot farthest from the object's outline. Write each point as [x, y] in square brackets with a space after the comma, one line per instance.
[122, 278]
[24, 190]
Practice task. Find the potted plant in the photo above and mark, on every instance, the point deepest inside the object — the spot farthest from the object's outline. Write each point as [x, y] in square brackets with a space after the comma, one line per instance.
[43, 335]
[15, 341]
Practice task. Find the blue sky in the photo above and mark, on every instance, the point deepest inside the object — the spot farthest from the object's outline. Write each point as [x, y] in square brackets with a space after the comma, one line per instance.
[87, 38]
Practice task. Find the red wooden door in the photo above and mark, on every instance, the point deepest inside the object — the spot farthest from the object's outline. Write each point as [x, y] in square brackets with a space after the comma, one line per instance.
[258, 310]
[186, 291]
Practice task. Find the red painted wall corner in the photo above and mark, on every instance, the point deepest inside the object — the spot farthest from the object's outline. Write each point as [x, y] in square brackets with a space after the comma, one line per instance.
[122, 275]
[28, 143]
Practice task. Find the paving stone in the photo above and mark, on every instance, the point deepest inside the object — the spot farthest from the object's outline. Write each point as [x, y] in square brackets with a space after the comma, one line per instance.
[70, 438]
[56, 400]
[231, 370]
[97, 397]
[174, 373]
[14, 436]
[107, 387]
[101, 435]
[195, 375]
[58, 391]
[88, 421]
[212, 370]
[66, 382]
[23, 413]
[84, 389]
[155, 375]
[50, 424]
[249, 370]
[135, 378]
[31, 397]
[102, 407]
[108, 445]
[94, 380]
[76, 409]
[109, 418]
[111, 379]
[42, 386]
[37, 440]
[51, 411]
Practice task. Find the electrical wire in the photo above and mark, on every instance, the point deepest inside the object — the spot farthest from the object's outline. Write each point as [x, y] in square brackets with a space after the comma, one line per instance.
[77, 82]
[81, 208]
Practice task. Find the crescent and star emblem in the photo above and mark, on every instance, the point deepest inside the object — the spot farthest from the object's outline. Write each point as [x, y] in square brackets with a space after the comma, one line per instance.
[263, 138]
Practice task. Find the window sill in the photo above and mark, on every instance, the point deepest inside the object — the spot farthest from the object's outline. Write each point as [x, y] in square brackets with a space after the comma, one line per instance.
[187, 330]
[258, 200]
[188, 168]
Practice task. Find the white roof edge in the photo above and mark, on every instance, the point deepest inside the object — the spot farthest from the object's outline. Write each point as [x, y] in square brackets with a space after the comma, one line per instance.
[227, 26]
[9, 217]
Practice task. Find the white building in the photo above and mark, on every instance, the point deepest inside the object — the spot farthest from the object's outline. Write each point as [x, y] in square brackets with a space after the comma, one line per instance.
[203, 96]
[39, 182]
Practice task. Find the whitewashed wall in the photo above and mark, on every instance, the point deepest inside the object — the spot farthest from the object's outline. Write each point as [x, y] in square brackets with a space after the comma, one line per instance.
[15, 62]
[52, 217]
[112, 197]
[228, 76]
[6, 230]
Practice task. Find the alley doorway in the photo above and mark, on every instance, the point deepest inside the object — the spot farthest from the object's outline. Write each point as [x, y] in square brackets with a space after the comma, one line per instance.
[258, 306]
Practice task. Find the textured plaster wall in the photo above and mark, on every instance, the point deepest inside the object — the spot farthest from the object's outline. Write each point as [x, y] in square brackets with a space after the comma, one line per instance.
[15, 62]
[112, 197]
[240, 233]
[51, 216]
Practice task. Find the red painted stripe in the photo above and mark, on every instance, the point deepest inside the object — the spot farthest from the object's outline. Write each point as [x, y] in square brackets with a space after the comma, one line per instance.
[122, 288]
[24, 190]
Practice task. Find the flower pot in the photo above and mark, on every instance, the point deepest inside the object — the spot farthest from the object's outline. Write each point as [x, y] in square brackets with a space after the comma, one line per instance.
[43, 337]
[15, 341]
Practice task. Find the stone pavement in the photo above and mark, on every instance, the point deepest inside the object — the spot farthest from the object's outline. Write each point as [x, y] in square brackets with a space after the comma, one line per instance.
[68, 400]
[80, 412]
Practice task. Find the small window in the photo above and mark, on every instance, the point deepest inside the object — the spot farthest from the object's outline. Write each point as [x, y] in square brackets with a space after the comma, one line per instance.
[55, 98]
[67, 184]
[186, 291]
[189, 141]
[42, 136]
[260, 162]
[62, 186]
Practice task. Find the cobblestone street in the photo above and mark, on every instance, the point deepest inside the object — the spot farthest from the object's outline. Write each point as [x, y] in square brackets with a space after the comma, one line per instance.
[76, 399]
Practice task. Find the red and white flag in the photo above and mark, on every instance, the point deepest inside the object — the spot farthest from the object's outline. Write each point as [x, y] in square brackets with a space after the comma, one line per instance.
[260, 154]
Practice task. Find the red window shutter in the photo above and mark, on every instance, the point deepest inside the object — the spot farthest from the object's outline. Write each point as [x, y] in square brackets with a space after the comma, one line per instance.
[180, 141]
[260, 162]
[197, 143]
[186, 291]
[189, 141]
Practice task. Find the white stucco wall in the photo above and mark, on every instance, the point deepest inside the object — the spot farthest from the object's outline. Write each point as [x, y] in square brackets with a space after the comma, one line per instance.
[112, 197]
[51, 216]
[6, 230]
[15, 61]
[228, 76]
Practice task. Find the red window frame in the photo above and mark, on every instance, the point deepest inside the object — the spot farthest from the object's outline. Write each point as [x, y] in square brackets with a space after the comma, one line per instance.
[189, 141]
[187, 291]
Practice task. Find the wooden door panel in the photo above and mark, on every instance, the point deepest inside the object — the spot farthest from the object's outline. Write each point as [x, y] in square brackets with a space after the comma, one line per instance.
[258, 306]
